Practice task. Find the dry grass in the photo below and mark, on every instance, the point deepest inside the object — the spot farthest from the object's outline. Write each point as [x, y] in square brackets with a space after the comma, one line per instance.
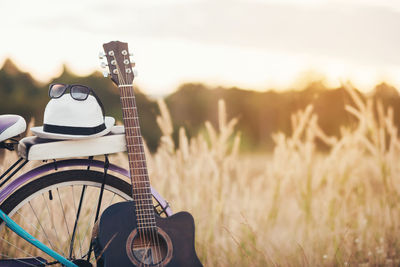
[295, 207]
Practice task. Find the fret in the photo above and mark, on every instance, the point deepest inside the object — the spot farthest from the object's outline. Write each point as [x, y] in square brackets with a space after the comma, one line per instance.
[134, 145]
[146, 220]
[148, 214]
[138, 160]
[144, 206]
[150, 228]
[136, 150]
[129, 114]
[152, 209]
[142, 184]
[142, 178]
[143, 196]
[129, 108]
[141, 175]
[141, 169]
[132, 127]
[129, 133]
[137, 184]
[141, 204]
[130, 117]
[127, 97]
[142, 188]
[146, 209]
[143, 221]
[138, 153]
[148, 190]
[139, 164]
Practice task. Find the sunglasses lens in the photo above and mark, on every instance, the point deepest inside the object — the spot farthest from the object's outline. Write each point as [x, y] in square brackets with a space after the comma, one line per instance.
[57, 90]
[79, 92]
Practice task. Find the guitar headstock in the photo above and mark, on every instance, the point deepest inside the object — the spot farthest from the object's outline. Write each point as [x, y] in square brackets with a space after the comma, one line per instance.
[119, 62]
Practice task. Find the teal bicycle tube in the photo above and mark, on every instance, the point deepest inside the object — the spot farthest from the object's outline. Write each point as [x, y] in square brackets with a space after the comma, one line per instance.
[25, 235]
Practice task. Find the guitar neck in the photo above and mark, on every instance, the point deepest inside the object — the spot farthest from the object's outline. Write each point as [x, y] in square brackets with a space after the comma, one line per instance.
[141, 190]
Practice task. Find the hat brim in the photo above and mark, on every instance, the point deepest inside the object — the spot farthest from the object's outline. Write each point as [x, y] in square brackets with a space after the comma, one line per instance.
[38, 131]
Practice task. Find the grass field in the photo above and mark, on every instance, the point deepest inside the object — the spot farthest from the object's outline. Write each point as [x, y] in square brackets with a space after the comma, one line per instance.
[294, 207]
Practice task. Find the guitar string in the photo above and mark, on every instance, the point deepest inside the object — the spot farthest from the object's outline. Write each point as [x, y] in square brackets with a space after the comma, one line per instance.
[135, 170]
[127, 134]
[142, 156]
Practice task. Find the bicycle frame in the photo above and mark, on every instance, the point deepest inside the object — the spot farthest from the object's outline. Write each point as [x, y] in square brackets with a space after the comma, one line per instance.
[55, 166]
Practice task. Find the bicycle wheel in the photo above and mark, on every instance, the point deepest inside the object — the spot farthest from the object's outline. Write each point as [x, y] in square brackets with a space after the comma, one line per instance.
[50, 208]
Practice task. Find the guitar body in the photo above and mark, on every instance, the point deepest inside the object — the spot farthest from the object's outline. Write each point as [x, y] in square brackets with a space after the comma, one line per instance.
[117, 241]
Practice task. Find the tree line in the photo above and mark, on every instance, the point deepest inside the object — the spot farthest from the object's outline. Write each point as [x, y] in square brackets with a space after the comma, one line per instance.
[260, 114]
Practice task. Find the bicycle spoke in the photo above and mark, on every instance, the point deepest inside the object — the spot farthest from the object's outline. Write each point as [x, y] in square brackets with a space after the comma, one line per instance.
[92, 210]
[77, 211]
[27, 221]
[44, 232]
[52, 225]
[23, 251]
[91, 218]
[62, 208]
[25, 263]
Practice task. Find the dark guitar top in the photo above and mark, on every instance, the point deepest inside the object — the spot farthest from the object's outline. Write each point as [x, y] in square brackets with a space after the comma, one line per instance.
[114, 246]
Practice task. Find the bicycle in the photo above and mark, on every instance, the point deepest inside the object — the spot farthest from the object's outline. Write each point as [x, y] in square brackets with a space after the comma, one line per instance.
[38, 202]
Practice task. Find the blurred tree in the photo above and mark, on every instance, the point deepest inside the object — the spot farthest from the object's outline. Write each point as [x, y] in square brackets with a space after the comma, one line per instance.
[260, 113]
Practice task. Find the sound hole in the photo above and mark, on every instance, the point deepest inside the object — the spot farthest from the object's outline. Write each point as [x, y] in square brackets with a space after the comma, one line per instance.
[149, 247]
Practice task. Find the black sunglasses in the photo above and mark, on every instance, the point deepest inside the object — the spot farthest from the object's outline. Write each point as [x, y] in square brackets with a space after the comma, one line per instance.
[77, 92]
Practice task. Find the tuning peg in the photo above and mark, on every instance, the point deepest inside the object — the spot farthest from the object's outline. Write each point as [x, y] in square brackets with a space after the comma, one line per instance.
[131, 54]
[103, 65]
[106, 73]
[101, 55]
[135, 73]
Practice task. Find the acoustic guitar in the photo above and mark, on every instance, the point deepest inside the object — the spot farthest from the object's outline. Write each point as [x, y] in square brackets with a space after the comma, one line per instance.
[131, 233]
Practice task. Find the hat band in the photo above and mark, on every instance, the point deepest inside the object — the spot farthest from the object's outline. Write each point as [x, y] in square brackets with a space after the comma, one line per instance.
[71, 130]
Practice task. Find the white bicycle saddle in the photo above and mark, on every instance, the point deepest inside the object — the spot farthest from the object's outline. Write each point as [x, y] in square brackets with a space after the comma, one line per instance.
[10, 126]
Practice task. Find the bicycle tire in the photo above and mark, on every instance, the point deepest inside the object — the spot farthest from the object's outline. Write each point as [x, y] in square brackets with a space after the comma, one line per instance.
[23, 198]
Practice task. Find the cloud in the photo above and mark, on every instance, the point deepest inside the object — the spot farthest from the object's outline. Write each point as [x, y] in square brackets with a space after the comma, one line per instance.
[364, 34]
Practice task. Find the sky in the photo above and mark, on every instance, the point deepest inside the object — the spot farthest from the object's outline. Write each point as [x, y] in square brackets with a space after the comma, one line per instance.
[252, 44]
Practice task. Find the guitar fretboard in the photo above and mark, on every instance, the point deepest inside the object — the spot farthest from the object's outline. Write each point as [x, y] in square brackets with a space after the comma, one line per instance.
[141, 190]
